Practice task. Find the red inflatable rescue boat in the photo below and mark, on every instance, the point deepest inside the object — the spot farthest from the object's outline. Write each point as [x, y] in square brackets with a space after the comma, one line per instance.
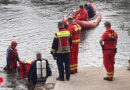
[89, 24]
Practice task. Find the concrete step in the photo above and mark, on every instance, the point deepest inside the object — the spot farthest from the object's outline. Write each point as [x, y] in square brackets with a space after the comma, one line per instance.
[50, 83]
[91, 78]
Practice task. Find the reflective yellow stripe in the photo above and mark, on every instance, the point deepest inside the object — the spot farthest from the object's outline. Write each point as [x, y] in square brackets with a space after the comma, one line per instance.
[62, 51]
[96, 20]
[78, 14]
[52, 50]
[76, 40]
[73, 68]
[109, 75]
[77, 27]
[29, 61]
[55, 36]
[73, 65]
[110, 72]
[63, 34]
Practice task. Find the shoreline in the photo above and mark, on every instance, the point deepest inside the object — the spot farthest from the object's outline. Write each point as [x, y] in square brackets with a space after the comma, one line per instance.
[91, 78]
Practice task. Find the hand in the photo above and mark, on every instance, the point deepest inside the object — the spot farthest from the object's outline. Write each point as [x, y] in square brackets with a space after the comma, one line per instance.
[102, 47]
[54, 56]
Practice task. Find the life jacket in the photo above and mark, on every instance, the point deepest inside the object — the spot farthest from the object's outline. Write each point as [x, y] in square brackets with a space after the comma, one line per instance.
[24, 68]
[75, 30]
[63, 37]
[110, 40]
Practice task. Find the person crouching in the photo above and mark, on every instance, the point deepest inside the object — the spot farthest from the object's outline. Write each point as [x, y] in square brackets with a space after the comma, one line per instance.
[39, 70]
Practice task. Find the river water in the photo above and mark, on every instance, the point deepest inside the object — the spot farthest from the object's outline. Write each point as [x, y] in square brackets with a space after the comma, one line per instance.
[33, 25]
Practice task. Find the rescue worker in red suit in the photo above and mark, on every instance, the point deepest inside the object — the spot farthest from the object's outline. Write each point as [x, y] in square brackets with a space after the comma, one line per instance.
[90, 9]
[60, 49]
[81, 14]
[75, 30]
[12, 57]
[108, 43]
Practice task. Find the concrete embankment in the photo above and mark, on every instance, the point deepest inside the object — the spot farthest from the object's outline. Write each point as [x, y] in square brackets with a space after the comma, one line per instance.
[91, 78]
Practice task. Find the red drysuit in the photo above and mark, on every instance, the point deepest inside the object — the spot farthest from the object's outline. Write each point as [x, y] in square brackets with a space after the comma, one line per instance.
[12, 59]
[75, 30]
[109, 50]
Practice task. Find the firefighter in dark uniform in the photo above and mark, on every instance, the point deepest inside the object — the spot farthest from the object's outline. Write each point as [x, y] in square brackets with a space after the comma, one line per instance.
[60, 49]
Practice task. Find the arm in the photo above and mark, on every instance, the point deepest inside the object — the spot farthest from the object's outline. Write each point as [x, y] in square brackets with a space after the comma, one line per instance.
[116, 38]
[30, 71]
[116, 42]
[18, 58]
[103, 37]
[70, 41]
[76, 13]
[16, 55]
[48, 69]
[101, 42]
[54, 45]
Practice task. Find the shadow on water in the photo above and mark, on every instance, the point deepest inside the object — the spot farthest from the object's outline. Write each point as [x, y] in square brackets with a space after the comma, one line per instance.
[46, 2]
[6, 2]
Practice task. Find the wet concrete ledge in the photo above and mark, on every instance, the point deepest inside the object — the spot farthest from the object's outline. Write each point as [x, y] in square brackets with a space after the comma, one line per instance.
[91, 78]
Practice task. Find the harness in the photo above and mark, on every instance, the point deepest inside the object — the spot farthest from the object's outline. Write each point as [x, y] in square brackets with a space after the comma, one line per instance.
[77, 32]
[112, 39]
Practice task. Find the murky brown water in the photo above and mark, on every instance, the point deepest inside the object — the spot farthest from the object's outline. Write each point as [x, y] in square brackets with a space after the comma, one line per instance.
[33, 24]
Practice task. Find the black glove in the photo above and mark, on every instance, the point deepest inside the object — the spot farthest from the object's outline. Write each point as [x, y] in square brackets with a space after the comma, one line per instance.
[115, 50]
[102, 47]
[54, 55]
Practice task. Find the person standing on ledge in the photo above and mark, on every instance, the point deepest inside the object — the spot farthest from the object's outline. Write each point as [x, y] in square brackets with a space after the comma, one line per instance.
[61, 47]
[108, 43]
[75, 31]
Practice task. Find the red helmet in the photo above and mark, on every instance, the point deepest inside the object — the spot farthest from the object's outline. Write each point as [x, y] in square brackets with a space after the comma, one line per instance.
[13, 43]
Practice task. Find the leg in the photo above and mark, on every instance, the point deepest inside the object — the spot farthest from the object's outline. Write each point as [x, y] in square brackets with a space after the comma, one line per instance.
[67, 66]
[112, 62]
[72, 59]
[76, 57]
[108, 63]
[60, 66]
